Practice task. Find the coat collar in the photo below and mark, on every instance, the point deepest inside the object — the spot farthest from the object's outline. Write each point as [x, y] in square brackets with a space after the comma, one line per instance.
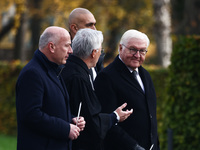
[126, 74]
[49, 64]
[78, 61]
[53, 70]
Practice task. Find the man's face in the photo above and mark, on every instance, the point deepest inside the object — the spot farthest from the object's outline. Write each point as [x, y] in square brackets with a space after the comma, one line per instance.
[63, 49]
[86, 21]
[132, 61]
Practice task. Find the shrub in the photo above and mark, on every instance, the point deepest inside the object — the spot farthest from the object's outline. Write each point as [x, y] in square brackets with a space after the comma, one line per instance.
[182, 108]
[8, 76]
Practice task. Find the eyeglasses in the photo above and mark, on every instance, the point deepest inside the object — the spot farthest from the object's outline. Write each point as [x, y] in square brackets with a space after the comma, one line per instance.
[102, 50]
[133, 51]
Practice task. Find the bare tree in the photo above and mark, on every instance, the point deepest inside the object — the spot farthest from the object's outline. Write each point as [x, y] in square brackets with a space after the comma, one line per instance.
[162, 31]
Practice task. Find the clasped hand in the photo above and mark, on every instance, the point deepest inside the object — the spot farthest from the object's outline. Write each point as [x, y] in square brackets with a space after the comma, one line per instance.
[76, 127]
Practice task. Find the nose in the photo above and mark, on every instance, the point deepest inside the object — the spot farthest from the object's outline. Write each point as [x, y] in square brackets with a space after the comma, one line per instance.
[93, 27]
[70, 50]
[137, 54]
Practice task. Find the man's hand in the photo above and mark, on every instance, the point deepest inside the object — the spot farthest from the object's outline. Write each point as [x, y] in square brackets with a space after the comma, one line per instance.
[123, 115]
[80, 122]
[74, 132]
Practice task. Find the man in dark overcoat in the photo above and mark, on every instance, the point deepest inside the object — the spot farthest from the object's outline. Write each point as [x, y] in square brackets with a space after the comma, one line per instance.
[125, 80]
[42, 102]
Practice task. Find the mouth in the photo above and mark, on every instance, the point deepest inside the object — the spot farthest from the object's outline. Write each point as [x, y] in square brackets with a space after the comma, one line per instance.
[135, 60]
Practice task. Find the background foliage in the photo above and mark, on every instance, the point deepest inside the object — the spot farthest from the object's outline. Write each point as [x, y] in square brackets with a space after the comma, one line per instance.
[113, 18]
[8, 76]
[182, 107]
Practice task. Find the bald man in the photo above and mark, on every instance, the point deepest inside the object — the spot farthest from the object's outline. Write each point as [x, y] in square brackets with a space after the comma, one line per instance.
[42, 101]
[81, 18]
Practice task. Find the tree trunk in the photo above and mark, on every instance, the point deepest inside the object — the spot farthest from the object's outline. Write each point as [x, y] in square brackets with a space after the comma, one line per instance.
[19, 50]
[35, 23]
[162, 31]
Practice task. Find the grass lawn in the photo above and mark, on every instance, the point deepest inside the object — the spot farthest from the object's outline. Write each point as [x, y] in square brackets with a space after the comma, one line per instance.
[8, 142]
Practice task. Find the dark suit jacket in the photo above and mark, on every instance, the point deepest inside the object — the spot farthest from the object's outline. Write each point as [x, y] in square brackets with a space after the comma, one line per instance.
[114, 86]
[42, 104]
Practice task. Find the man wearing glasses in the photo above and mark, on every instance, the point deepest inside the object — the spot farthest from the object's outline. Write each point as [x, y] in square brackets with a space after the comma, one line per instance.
[125, 80]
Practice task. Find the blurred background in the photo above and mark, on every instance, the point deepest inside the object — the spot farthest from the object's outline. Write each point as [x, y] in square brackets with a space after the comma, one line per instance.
[173, 27]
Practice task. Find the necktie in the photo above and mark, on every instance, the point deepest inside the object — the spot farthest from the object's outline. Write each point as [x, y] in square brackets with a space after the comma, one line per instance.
[134, 74]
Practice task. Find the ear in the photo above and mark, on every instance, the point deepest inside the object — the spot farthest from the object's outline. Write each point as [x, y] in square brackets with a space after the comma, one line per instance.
[120, 47]
[74, 28]
[94, 51]
[51, 47]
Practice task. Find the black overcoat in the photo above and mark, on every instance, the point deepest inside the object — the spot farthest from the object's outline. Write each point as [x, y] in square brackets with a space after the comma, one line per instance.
[114, 86]
[42, 104]
[76, 77]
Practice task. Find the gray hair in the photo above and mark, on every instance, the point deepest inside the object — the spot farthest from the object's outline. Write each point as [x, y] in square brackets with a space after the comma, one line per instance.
[134, 34]
[85, 41]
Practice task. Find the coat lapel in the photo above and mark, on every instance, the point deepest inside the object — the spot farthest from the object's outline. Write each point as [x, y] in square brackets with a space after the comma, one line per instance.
[126, 74]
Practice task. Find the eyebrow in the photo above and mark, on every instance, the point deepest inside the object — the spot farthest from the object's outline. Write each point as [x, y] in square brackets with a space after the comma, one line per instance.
[91, 23]
[132, 47]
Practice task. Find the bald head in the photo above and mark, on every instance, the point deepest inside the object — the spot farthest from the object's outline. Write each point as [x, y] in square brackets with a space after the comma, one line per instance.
[55, 43]
[81, 18]
[75, 15]
[52, 34]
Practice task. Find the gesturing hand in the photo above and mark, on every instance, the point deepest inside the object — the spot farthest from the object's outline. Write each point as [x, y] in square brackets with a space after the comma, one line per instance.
[123, 115]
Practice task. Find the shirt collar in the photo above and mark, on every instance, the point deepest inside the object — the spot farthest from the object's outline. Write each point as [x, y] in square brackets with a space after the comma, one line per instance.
[131, 70]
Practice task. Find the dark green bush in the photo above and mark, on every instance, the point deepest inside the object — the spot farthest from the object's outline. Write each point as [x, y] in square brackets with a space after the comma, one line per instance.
[8, 76]
[182, 107]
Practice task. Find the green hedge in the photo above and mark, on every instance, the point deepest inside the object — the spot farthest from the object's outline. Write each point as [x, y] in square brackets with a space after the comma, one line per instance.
[8, 76]
[182, 107]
